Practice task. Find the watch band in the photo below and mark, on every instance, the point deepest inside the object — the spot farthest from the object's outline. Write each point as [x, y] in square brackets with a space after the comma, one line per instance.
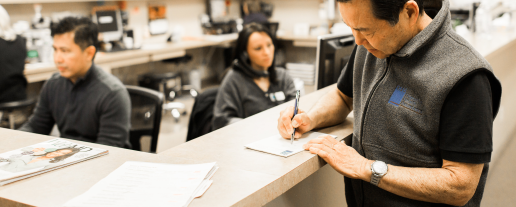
[375, 179]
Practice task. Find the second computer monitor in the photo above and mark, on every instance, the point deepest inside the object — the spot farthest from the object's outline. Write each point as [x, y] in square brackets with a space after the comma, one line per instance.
[333, 53]
[110, 24]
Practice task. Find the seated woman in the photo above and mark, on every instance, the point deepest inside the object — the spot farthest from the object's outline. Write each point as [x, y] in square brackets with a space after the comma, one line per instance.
[252, 84]
[12, 61]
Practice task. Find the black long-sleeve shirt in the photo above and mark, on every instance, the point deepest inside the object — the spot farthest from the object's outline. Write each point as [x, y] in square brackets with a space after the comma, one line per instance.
[12, 62]
[96, 108]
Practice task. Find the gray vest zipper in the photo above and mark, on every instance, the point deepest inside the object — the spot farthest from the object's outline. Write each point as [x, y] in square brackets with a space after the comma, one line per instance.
[363, 119]
[389, 60]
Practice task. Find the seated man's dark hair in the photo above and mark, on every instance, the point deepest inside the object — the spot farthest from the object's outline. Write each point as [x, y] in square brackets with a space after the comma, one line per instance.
[86, 32]
[389, 10]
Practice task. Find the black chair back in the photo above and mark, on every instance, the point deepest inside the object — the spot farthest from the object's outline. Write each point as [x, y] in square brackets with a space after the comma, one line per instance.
[272, 27]
[7, 110]
[202, 113]
[145, 116]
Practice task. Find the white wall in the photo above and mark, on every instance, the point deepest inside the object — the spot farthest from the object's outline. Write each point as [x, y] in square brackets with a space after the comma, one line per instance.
[26, 12]
[290, 12]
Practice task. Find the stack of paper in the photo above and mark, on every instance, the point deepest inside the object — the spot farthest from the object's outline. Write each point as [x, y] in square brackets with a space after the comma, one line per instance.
[148, 184]
[305, 72]
[280, 146]
[43, 157]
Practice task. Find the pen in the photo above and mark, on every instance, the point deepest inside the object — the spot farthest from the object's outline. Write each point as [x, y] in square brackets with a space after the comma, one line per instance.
[296, 105]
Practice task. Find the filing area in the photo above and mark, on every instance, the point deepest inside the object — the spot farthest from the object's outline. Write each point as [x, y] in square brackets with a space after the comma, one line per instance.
[189, 45]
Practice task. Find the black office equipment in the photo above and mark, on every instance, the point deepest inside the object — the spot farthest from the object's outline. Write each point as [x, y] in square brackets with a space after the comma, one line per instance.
[272, 27]
[267, 9]
[109, 23]
[162, 82]
[333, 52]
[145, 116]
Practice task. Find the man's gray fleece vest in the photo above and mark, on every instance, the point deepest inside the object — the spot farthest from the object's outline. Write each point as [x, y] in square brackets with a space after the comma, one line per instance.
[397, 104]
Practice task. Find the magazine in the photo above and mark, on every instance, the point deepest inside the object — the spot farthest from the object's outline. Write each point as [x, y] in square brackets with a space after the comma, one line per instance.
[43, 157]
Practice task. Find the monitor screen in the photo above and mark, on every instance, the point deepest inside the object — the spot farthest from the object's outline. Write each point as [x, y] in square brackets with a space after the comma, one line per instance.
[333, 53]
[107, 21]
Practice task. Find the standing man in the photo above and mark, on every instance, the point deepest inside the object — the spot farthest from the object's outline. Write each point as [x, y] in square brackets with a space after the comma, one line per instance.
[86, 103]
[424, 102]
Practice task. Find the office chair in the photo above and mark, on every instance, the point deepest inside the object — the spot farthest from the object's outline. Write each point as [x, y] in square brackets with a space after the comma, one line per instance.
[145, 116]
[9, 107]
[162, 82]
[272, 27]
[202, 113]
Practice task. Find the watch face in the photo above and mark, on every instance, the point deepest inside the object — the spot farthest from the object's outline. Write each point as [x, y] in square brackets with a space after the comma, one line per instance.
[380, 167]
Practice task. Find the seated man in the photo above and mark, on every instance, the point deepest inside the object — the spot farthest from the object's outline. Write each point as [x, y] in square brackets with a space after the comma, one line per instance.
[12, 62]
[253, 13]
[86, 103]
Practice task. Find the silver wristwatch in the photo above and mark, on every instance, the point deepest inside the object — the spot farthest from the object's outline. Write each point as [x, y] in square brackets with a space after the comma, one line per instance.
[379, 169]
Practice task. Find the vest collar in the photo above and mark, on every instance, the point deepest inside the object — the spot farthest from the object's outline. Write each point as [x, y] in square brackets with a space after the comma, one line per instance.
[439, 25]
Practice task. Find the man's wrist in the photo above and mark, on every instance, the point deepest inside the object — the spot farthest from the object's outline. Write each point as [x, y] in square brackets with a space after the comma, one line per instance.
[366, 170]
[313, 121]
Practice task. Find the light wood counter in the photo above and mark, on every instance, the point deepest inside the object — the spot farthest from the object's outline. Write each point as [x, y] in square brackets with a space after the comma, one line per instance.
[245, 177]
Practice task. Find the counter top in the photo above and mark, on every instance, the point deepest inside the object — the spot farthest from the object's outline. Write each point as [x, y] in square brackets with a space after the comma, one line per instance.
[245, 177]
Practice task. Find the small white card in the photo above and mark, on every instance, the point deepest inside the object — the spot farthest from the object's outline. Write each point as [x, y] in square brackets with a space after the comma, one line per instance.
[280, 146]
[278, 96]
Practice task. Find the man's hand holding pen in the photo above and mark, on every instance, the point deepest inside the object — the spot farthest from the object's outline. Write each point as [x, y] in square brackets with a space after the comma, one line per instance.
[301, 122]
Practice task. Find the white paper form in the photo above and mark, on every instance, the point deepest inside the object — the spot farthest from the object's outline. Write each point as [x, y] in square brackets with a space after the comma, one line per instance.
[280, 146]
[146, 184]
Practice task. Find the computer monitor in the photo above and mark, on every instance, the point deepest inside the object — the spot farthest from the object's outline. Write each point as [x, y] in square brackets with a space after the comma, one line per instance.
[333, 53]
[110, 24]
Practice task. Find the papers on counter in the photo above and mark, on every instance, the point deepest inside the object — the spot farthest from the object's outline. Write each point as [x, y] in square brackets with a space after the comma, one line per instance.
[280, 146]
[148, 184]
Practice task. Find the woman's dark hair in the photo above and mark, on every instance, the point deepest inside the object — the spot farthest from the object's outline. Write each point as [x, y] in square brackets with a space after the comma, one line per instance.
[389, 10]
[242, 42]
[86, 32]
[62, 157]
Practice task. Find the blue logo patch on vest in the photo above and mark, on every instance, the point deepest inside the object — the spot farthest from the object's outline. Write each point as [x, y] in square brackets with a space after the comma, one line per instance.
[397, 96]
[400, 98]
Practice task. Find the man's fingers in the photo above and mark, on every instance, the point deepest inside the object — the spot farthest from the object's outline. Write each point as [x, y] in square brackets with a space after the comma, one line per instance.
[321, 150]
[289, 112]
[284, 125]
[328, 140]
[315, 142]
[300, 120]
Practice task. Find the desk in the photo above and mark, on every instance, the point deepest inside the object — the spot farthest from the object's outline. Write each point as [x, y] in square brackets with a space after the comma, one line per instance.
[43, 71]
[245, 178]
